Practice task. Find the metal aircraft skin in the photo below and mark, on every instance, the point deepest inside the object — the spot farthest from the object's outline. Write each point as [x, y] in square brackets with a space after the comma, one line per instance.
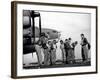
[28, 33]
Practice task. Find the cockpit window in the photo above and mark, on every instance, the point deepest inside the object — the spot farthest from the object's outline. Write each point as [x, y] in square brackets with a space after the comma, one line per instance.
[54, 31]
[48, 33]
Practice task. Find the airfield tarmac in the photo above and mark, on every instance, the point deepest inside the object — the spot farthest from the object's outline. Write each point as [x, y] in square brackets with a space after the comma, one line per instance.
[58, 64]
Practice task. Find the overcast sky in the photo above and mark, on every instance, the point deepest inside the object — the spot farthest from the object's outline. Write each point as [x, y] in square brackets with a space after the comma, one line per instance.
[69, 24]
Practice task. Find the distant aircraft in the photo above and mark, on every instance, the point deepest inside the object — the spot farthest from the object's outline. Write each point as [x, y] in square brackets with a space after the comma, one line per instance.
[53, 34]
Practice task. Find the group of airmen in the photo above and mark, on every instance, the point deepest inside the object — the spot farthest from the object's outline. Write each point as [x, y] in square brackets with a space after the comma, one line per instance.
[49, 50]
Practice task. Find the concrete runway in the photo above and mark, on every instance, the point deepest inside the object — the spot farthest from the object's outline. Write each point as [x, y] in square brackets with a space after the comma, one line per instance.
[58, 64]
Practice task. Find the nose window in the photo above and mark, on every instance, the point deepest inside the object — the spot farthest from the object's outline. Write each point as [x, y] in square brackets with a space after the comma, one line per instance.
[54, 31]
[48, 33]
